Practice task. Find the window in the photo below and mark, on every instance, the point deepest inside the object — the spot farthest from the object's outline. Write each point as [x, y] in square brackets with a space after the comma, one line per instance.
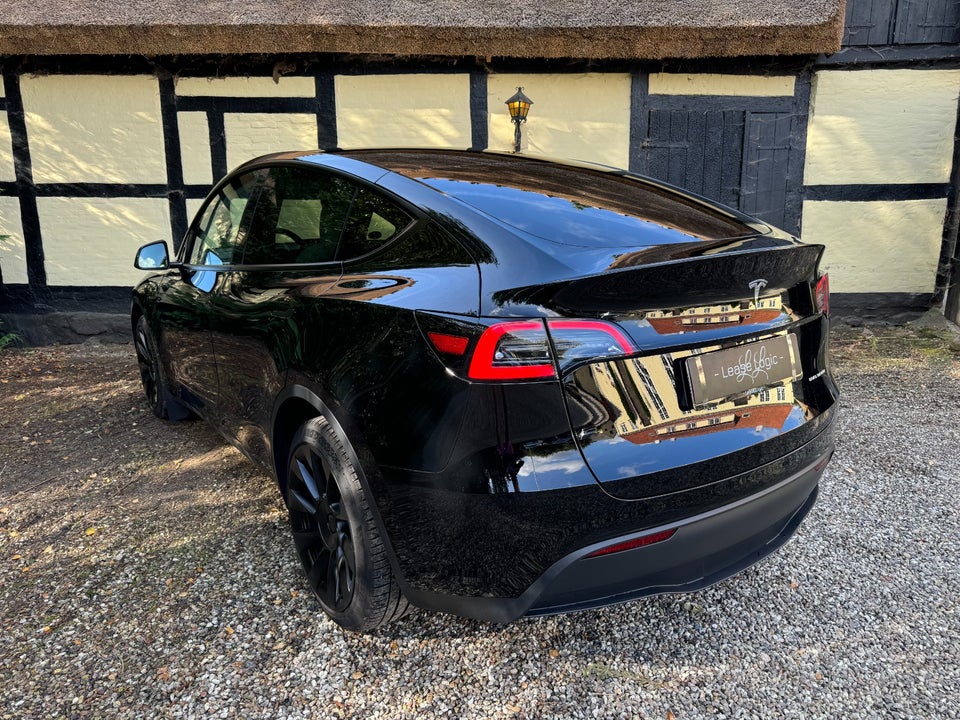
[216, 233]
[374, 221]
[304, 215]
[299, 218]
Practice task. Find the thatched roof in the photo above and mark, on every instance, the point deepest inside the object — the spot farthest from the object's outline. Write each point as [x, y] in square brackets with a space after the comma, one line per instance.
[648, 29]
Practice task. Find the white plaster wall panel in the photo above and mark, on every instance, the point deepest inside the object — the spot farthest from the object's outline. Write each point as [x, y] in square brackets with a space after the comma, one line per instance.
[13, 253]
[195, 148]
[193, 207]
[92, 241]
[427, 110]
[253, 134]
[94, 128]
[584, 116]
[246, 87]
[714, 84]
[881, 126]
[7, 173]
[878, 246]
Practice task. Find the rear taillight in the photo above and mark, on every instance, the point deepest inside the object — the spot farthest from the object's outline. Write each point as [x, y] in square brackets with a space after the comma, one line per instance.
[576, 340]
[512, 351]
[821, 295]
[527, 349]
[522, 350]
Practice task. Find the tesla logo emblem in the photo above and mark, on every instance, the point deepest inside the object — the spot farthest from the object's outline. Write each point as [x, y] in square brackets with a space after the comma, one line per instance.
[757, 285]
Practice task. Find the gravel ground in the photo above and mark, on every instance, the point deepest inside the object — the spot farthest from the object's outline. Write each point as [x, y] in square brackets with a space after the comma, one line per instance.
[147, 572]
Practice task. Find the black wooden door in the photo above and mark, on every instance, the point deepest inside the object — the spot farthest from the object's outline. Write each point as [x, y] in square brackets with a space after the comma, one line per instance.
[765, 180]
[698, 150]
[902, 22]
[745, 152]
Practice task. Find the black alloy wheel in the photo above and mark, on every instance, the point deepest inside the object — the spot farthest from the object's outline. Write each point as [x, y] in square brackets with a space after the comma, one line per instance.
[334, 532]
[147, 362]
[162, 403]
[321, 529]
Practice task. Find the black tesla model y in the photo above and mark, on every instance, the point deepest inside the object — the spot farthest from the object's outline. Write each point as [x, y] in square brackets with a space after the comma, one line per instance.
[493, 385]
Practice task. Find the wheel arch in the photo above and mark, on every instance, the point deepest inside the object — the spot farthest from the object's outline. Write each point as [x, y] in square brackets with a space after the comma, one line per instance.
[295, 406]
[136, 311]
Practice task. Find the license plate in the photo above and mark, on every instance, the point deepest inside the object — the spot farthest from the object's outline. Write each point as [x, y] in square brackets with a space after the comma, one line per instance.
[727, 373]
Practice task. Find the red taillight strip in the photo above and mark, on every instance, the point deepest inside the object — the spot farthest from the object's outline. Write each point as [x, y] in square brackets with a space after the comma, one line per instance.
[638, 542]
[482, 367]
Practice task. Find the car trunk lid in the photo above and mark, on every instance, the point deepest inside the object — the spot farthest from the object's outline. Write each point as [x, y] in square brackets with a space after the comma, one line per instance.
[728, 347]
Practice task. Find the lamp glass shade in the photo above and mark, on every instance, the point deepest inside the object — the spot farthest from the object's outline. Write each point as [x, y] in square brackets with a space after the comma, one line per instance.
[519, 105]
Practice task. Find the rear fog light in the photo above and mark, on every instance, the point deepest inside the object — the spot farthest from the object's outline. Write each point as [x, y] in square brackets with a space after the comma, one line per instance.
[637, 542]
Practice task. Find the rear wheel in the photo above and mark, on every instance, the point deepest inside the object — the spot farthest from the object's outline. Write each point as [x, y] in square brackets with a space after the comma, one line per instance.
[161, 401]
[336, 537]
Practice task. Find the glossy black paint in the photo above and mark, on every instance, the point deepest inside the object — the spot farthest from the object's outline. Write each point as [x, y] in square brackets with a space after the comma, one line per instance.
[482, 487]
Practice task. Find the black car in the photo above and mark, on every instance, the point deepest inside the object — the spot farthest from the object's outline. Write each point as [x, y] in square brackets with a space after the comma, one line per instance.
[493, 385]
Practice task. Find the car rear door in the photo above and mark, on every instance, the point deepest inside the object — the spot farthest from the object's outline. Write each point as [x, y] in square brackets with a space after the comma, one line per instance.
[288, 260]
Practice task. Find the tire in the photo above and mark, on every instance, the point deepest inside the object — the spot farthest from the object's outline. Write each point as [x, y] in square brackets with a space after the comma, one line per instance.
[335, 534]
[162, 402]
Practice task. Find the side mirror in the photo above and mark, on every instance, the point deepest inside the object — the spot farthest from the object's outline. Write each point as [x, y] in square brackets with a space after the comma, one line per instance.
[152, 256]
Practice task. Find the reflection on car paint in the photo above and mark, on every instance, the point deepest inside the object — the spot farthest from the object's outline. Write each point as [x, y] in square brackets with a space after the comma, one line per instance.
[628, 418]
[707, 317]
[369, 287]
[668, 327]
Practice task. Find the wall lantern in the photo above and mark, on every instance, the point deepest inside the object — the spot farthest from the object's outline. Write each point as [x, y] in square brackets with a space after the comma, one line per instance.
[519, 105]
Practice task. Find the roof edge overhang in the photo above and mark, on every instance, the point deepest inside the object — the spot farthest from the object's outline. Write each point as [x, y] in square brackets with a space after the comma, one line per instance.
[649, 42]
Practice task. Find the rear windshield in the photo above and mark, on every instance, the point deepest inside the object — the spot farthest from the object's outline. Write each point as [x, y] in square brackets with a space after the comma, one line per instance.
[566, 204]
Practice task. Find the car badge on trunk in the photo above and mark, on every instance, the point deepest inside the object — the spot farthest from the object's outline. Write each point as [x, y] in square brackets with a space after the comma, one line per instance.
[757, 285]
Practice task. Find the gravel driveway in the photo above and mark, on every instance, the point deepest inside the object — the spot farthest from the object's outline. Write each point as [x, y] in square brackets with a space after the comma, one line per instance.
[147, 572]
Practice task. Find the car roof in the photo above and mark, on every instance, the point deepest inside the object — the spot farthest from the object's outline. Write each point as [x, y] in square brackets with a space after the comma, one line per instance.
[516, 189]
[566, 202]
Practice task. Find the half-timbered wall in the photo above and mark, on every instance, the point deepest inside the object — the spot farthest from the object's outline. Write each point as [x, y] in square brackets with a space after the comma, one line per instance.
[98, 157]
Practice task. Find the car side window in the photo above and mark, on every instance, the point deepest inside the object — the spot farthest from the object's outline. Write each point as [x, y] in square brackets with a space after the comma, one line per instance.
[217, 233]
[299, 217]
[373, 222]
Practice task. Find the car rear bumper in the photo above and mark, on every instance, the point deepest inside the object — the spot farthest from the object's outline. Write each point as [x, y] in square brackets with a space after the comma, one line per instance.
[702, 551]
[705, 549]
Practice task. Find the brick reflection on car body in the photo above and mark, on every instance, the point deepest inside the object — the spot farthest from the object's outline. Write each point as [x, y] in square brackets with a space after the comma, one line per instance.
[481, 381]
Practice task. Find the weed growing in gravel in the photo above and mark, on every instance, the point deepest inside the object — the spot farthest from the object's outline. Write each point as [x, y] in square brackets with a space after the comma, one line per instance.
[7, 338]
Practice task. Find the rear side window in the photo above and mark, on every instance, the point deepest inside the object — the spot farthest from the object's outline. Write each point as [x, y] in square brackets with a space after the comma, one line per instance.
[305, 215]
[299, 217]
[374, 221]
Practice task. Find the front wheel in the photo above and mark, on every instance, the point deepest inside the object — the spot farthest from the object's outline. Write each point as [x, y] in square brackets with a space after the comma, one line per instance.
[335, 534]
[162, 402]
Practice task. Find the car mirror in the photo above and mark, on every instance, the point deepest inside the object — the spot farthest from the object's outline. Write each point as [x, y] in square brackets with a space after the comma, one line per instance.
[152, 256]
